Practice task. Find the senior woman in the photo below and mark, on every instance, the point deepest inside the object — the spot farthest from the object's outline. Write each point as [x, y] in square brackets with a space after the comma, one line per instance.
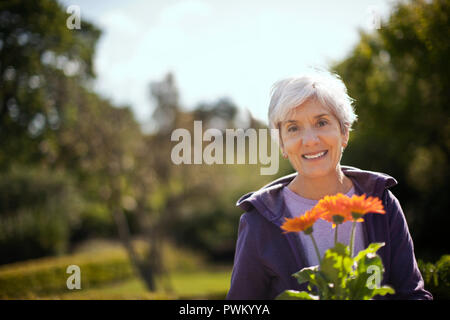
[314, 116]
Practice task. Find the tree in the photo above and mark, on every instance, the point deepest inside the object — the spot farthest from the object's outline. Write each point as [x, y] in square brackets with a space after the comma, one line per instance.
[37, 51]
[102, 146]
[399, 77]
[49, 120]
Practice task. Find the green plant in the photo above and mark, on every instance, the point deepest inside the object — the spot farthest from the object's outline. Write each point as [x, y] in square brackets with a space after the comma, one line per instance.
[437, 277]
[339, 275]
[38, 209]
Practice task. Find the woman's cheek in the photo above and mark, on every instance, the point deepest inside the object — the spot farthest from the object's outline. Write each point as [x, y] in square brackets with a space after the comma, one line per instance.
[295, 160]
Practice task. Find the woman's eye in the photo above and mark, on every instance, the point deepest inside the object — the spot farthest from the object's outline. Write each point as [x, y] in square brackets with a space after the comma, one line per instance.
[292, 129]
[322, 123]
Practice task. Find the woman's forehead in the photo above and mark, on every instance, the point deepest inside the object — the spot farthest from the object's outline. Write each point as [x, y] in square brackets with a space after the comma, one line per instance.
[302, 112]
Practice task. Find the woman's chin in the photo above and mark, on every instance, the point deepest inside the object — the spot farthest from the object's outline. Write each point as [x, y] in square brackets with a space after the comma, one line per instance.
[315, 173]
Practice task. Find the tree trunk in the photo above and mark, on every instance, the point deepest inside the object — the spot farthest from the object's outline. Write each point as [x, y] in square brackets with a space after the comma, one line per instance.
[144, 269]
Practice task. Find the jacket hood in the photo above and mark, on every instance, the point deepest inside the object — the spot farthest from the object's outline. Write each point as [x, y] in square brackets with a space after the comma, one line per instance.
[269, 204]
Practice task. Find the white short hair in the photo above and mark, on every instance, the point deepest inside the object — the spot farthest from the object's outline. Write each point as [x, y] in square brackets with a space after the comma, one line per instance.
[324, 86]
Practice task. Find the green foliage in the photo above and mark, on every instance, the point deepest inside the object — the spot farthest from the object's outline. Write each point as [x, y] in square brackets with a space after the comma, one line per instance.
[49, 275]
[399, 76]
[95, 221]
[437, 277]
[341, 277]
[78, 133]
[208, 216]
[38, 209]
[100, 265]
[210, 232]
[38, 53]
[49, 121]
[296, 295]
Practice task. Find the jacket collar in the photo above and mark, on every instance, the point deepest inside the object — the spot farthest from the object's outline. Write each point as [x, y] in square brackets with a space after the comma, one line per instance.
[269, 203]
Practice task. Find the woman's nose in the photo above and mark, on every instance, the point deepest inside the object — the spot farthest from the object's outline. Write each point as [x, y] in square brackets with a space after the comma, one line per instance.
[310, 138]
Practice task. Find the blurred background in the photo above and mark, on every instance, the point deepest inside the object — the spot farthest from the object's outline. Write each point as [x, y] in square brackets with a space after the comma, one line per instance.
[90, 93]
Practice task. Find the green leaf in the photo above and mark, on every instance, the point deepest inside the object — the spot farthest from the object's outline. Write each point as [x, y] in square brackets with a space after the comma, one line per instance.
[306, 274]
[372, 248]
[384, 290]
[296, 295]
[368, 274]
[341, 249]
[325, 289]
[335, 267]
[336, 263]
[358, 288]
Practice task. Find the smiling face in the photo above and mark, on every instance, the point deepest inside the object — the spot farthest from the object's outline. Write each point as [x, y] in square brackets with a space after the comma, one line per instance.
[312, 139]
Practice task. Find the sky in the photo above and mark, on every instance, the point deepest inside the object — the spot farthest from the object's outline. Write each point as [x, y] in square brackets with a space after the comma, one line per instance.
[216, 48]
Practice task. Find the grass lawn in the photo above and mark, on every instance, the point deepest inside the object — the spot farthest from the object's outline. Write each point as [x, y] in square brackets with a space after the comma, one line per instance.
[210, 283]
[108, 275]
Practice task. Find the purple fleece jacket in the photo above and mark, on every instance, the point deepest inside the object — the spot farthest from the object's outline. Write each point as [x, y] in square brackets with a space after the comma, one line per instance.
[266, 258]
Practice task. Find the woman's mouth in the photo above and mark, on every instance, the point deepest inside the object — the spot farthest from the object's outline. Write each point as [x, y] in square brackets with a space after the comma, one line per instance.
[315, 156]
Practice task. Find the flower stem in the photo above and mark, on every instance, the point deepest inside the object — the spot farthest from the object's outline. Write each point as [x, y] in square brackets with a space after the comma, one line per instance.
[352, 238]
[336, 234]
[316, 248]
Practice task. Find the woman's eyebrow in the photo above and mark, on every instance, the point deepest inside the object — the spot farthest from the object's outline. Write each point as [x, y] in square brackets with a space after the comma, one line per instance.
[315, 117]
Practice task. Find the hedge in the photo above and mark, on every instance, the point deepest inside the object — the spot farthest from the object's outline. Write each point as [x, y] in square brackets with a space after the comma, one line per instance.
[43, 276]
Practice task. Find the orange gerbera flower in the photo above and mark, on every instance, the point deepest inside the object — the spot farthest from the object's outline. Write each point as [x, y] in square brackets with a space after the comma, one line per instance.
[335, 209]
[340, 208]
[359, 206]
[302, 223]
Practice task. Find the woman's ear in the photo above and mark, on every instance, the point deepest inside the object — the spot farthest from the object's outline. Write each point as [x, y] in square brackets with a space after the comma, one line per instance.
[345, 138]
[282, 149]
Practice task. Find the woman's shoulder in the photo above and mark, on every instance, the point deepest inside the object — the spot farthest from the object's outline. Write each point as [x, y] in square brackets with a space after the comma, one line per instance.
[265, 197]
[369, 182]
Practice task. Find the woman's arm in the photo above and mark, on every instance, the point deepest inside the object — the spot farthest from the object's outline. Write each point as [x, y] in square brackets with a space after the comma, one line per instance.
[249, 279]
[405, 276]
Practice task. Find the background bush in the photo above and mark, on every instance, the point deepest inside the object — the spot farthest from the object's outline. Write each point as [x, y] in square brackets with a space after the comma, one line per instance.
[100, 264]
[38, 208]
[44, 276]
[437, 277]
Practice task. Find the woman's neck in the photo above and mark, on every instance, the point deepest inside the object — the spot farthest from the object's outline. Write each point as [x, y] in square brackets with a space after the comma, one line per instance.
[317, 188]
